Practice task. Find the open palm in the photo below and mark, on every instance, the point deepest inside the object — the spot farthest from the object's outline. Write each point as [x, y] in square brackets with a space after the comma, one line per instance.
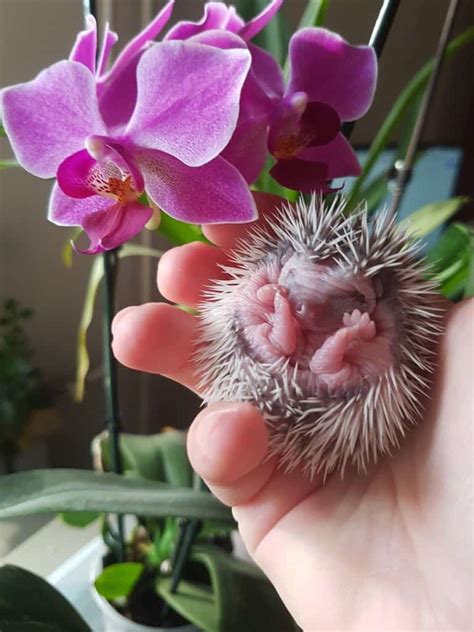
[389, 550]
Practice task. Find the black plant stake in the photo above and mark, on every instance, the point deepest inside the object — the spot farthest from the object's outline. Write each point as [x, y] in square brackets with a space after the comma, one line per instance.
[378, 39]
[112, 419]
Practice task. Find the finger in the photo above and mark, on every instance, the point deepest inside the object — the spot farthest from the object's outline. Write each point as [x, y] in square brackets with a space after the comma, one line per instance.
[282, 493]
[184, 272]
[226, 235]
[157, 338]
[227, 446]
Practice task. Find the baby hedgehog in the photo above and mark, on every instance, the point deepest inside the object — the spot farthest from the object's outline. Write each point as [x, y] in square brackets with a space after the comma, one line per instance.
[327, 324]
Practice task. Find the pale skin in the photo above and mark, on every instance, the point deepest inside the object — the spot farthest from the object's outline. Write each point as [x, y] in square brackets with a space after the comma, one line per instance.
[389, 550]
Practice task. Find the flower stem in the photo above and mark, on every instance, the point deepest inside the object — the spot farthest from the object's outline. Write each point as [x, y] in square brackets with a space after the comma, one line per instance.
[112, 419]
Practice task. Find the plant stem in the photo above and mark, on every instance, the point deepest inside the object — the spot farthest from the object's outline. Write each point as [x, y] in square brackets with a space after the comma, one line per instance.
[190, 532]
[378, 39]
[404, 167]
[112, 420]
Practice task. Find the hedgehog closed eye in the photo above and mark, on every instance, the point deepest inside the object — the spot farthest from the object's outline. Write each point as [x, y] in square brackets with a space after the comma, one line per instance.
[326, 324]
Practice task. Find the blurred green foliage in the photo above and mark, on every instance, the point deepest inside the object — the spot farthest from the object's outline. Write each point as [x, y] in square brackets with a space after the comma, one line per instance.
[21, 387]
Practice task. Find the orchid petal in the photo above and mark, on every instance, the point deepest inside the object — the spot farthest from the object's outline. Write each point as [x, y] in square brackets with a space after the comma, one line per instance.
[234, 21]
[84, 50]
[110, 38]
[338, 155]
[47, 119]
[219, 39]
[190, 114]
[265, 69]
[300, 175]
[106, 149]
[74, 175]
[67, 211]
[212, 194]
[320, 123]
[108, 171]
[259, 22]
[285, 130]
[216, 16]
[107, 223]
[252, 96]
[117, 90]
[109, 228]
[267, 72]
[332, 71]
[118, 96]
[136, 45]
[247, 150]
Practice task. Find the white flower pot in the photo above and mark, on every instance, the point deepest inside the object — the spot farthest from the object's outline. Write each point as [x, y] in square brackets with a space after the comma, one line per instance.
[113, 621]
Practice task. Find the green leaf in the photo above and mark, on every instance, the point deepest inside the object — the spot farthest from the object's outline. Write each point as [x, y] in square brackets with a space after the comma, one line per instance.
[179, 233]
[451, 260]
[241, 596]
[79, 519]
[2, 131]
[454, 241]
[454, 287]
[118, 580]
[424, 220]
[314, 14]
[409, 95]
[160, 457]
[469, 287]
[29, 626]
[95, 277]
[7, 163]
[55, 490]
[164, 542]
[28, 602]
[453, 269]
[194, 602]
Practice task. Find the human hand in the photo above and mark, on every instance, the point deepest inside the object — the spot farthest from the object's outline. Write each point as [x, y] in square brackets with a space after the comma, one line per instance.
[388, 550]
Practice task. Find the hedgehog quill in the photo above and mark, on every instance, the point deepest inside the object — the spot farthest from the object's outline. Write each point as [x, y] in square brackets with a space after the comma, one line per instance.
[328, 324]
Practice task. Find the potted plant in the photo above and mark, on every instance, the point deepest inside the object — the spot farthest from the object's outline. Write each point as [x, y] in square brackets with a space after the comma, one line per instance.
[213, 591]
[26, 413]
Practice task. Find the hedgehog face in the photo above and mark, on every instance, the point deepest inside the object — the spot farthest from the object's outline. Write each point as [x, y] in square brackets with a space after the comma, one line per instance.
[332, 324]
[327, 324]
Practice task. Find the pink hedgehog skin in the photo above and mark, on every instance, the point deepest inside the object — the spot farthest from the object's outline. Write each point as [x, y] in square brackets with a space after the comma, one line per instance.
[326, 324]
[330, 325]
